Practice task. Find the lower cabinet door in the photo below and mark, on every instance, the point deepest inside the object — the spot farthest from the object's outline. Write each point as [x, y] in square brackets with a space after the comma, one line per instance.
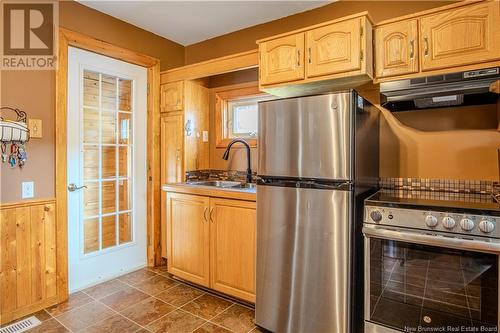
[188, 237]
[233, 247]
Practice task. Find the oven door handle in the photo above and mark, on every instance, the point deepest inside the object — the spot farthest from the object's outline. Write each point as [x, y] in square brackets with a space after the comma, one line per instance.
[433, 240]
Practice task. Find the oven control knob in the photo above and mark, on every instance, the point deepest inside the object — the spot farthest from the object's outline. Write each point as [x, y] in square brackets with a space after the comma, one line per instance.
[431, 221]
[376, 216]
[486, 226]
[467, 224]
[448, 222]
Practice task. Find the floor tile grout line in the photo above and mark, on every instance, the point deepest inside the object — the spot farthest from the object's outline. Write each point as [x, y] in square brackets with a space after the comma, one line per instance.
[120, 314]
[116, 312]
[75, 308]
[210, 320]
[70, 330]
[154, 296]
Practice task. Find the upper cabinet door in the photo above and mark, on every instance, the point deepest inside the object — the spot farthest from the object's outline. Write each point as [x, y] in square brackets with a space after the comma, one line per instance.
[335, 48]
[396, 49]
[172, 96]
[460, 36]
[282, 59]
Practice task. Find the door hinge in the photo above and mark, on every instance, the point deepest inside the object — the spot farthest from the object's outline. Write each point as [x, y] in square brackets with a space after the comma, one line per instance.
[361, 55]
[148, 88]
[361, 31]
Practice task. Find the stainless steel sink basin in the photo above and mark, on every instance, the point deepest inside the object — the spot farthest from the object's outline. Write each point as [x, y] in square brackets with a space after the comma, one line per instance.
[247, 186]
[223, 184]
[217, 183]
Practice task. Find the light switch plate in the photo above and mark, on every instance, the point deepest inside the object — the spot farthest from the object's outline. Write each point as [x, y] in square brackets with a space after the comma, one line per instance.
[35, 127]
[205, 136]
[28, 190]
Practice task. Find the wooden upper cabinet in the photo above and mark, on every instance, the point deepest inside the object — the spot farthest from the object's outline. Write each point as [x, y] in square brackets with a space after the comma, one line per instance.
[396, 48]
[172, 96]
[282, 59]
[334, 48]
[188, 237]
[460, 36]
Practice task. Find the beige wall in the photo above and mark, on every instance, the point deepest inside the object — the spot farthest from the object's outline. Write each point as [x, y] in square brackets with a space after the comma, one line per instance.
[34, 92]
[244, 40]
[414, 144]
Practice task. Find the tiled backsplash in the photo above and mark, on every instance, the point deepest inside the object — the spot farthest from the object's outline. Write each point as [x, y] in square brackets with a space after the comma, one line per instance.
[441, 185]
[407, 184]
[231, 175]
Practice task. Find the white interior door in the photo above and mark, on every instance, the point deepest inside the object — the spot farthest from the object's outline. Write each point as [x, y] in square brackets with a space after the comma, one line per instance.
[107, 113]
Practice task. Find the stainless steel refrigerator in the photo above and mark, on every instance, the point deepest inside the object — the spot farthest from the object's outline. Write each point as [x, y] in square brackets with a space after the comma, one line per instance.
[318, 160]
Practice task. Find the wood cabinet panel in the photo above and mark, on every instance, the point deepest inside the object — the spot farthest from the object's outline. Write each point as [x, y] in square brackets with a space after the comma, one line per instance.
[396, 48]
[172, 138]
[27, 259]
[282, 59]
[233, 247]
[188, 237]
[334, 48]
[196, 109]
[171, 96]
[460, 36]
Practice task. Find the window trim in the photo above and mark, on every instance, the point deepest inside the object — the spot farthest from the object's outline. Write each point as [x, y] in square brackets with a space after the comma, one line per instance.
[221, 107]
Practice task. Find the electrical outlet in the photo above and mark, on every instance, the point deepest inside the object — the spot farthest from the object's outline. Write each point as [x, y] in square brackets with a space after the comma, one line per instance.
[35, 127]
[28, 190]
[205, 136]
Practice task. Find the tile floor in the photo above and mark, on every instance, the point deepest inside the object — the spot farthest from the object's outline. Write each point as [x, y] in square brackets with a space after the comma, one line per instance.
[147, 300]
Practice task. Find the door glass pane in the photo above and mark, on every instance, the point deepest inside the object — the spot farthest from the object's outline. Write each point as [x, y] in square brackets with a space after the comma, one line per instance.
[90, 126]
[125, 228]
[125, 123]
[108, 93]
[414, 286]
[91, 232]
[124, 162]
[91, 199]
[90, 162]
[106, 154]
[108, 231]
[108, 122]
[124, 195]
[108, 162]
[125, 90]
[108, 197]
[90, 88]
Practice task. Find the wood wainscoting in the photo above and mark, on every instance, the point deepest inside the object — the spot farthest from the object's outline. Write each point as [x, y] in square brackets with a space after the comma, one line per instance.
[28, 270]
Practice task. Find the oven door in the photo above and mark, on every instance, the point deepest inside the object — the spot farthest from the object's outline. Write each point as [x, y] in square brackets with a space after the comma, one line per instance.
[426, 283]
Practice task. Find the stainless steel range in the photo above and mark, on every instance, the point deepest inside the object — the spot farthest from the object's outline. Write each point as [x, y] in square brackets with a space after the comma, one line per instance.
[431, 262]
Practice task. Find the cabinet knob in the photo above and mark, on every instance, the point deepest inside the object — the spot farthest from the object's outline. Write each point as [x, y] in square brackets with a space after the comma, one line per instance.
[426, 49]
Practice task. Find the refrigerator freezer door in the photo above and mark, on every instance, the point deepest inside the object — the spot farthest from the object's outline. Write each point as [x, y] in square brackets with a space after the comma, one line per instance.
[307, 137]
[303, 265]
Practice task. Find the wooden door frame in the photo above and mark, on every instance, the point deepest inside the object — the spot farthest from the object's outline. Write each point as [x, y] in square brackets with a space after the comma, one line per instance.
[70, 38]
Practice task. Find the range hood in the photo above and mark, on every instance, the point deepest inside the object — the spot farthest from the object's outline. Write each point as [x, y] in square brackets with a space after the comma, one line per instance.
[462, 88]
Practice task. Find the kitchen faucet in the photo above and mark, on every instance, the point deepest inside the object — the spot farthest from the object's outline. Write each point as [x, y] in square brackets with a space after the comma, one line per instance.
[226, 156]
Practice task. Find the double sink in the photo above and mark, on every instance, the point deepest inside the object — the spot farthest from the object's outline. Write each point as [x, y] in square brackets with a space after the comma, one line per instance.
[224, 184]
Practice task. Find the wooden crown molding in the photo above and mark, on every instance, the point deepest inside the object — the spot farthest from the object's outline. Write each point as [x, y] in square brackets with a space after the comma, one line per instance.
[230, 63]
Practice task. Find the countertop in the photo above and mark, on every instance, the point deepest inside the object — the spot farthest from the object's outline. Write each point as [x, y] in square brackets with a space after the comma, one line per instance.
[212, 191]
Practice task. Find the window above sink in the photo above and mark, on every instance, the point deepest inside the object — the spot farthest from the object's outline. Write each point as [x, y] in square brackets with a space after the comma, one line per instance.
[236, 114]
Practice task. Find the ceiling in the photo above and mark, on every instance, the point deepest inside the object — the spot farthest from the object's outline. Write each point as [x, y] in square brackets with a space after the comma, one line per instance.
[189, 22]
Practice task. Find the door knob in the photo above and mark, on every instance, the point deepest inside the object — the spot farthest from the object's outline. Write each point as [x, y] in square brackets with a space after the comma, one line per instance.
[72, 187]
